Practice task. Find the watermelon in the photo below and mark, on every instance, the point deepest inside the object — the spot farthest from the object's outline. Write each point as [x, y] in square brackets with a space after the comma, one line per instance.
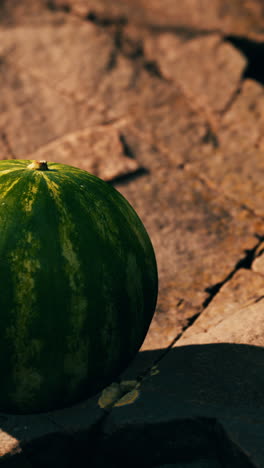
[78, 282]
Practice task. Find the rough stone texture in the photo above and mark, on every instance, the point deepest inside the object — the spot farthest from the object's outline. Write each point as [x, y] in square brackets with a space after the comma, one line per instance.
[160, 99]
[220, 68]
[37, 437]
[242, 126]
[228, 168]
[40, 54]
[235, 315]
[231, 174]
[196, 408]
[258, 263]
[236, 17]
[190, 227]
[98, 150]
[26, 12]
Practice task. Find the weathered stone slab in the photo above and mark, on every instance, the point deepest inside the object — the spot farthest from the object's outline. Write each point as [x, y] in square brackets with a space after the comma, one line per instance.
[245, 326]
[231, 174]
[32, 113]
[237, 17]
[258, 263]
[235, 167]
[190, 226]
[207, 69]
[97, 150]
[41, 101]
[235, 315]
[241, 127]
[46, 436]
[74, 45]
[170, 193]
[179, 414]
[168, 133]
[27, 12]
[199, 397]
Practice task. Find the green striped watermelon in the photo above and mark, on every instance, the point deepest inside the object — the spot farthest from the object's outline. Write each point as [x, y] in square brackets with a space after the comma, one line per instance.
[78, 285]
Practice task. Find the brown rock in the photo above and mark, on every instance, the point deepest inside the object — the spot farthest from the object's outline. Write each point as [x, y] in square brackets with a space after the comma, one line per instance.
[238, 17]
[41, 101]
[190, 226]
[258, 264]
[143, 12]
[97, 150]
[167, 134]
[244, 326]
[231, 174]
[8, 444]
[171, 317]
[207, 69]
[234, 316]
[236, 167]
[27, 12]
[242, 125]
[32, 113]
[75, 45]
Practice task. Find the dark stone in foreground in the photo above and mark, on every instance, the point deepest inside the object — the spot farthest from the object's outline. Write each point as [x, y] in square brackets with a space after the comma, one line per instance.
[205, 406]
[48, 439]
[202, 408]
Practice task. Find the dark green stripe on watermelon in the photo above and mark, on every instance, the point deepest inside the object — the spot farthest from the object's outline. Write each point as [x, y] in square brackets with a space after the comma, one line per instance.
[79, 285]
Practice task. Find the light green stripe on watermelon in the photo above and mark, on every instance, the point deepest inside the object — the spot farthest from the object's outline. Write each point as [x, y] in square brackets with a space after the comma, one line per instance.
[75, 361]
[6, 188]
[31, 194]
[24, 265]
[7, 171]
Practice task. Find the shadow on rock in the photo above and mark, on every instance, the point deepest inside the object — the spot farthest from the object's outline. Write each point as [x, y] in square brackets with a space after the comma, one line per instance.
[202, 407]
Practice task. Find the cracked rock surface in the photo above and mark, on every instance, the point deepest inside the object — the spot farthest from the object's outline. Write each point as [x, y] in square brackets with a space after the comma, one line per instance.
[165, 101]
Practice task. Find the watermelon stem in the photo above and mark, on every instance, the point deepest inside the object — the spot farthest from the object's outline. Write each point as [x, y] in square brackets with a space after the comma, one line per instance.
[38, 166]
